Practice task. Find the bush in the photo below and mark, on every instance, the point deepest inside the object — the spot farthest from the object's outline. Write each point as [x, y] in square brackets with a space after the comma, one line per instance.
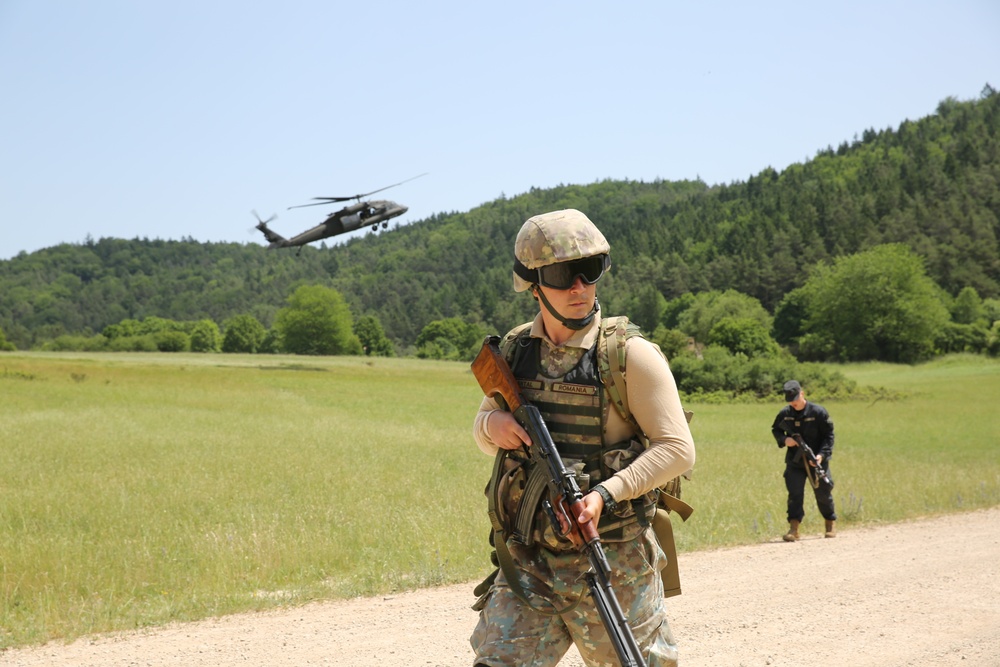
[172, 341]
[6, 345]
[244, 334]
[721, 376]
[145, 343]
[69, 343]
[205, 336]
[963, 338]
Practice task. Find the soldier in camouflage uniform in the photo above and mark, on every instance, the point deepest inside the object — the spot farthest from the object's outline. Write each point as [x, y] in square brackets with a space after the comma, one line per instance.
[559, 257]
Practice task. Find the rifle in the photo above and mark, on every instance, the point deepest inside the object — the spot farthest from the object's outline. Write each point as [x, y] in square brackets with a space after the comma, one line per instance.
[495, 377]
[814, 470]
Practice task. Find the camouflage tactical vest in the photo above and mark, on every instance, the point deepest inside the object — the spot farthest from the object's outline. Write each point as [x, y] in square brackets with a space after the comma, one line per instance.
[574, 408]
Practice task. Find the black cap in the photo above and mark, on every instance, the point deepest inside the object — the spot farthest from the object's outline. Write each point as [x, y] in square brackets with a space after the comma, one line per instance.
[792, 389]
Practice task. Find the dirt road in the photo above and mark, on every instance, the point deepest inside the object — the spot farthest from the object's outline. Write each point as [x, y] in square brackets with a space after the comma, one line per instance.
[919, 593]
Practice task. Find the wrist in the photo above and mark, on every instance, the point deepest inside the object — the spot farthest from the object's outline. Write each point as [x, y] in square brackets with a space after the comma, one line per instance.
[609, 502]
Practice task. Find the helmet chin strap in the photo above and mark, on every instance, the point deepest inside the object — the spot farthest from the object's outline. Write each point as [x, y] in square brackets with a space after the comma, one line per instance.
[575, 325]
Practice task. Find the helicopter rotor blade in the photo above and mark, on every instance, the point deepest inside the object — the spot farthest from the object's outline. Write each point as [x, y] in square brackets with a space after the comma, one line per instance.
[331, 200]
[391, 186]
[326, 200]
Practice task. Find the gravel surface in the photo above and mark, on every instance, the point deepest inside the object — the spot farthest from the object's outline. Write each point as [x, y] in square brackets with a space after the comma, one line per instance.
[917, 593]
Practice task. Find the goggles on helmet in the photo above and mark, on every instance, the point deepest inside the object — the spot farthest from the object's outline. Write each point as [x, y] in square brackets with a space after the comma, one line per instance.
[562, 275]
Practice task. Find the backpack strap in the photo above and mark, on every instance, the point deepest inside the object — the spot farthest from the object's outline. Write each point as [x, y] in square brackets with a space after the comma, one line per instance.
[507, 342]
[611, 363]
[611, 339]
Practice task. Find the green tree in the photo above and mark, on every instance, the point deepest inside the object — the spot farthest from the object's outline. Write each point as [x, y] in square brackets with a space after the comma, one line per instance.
[743, 335]
[205, 336]
[373, 341]
[648, 308]
[672, 342]
[317, 320]
[450, 338]
[878, 304]
[789, 316]
[244, 334]
[707, 308]
[968, 307]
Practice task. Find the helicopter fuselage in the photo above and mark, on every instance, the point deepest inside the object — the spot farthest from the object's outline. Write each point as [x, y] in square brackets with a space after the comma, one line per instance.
[363, 212]
[350, 218]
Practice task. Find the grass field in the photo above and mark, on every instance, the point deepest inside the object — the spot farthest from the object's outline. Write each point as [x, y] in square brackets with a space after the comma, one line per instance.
[147, 488]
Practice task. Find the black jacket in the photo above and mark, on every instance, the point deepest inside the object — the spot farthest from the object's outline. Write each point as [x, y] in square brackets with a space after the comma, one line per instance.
[813, 423]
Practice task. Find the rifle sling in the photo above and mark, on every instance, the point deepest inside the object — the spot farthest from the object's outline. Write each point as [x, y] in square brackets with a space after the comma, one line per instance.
[675, 504]
[505, 560]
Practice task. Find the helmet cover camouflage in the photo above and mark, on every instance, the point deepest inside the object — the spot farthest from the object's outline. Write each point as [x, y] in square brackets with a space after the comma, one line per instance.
[559, 236]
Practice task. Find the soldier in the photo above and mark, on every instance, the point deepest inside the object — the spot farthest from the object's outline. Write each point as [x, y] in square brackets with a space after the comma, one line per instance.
[811, 422]
[560, 257]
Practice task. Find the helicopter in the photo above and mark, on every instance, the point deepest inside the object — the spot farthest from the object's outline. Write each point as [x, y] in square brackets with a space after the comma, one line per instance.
[360, 214]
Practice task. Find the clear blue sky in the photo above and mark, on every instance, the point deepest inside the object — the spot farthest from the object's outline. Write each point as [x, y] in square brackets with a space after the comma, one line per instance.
[174, 119]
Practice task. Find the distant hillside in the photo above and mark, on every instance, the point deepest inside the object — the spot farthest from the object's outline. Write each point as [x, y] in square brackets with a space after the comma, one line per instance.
[933, 184]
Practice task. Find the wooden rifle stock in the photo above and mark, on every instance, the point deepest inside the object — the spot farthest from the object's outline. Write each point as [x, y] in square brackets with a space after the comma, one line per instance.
[494, 375]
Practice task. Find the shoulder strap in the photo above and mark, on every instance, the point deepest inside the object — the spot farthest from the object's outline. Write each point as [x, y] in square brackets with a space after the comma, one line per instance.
[611, 339]
[507, 343]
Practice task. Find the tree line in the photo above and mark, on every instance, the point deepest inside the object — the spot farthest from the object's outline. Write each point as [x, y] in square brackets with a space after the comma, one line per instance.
[924, 197]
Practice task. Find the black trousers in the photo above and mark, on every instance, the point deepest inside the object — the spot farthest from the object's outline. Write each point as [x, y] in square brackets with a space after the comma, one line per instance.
[795, 482]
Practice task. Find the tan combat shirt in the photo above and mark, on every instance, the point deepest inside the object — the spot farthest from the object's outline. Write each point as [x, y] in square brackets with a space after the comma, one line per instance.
[652, 399]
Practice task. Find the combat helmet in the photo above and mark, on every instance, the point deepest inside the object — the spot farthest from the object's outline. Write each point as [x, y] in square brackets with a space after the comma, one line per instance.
[551, 238]
[553, 249]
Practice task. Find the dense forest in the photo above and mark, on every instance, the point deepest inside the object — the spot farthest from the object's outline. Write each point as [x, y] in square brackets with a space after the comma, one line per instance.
[931, 185]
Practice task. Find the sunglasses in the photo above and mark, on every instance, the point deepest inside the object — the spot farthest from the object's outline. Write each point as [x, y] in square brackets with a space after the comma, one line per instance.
[562, 275]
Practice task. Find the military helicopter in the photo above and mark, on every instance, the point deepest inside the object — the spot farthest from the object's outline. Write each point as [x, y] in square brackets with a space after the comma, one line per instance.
[360, 214]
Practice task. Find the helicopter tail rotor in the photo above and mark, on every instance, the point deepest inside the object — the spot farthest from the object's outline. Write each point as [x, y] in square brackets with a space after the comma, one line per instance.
[263, 222]
[274, 239]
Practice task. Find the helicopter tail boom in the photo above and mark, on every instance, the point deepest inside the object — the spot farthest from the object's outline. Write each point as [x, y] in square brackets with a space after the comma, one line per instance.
[276, 240]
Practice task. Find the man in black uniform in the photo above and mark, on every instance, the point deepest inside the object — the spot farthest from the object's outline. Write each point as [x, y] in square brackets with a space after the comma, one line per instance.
[811, 422]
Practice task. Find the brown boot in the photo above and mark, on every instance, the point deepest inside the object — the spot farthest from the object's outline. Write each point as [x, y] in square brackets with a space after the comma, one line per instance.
[831, 529]
[793, 531]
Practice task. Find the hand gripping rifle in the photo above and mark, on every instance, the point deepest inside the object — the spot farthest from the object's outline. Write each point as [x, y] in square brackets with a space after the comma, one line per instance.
[495, 377]
[814, 470]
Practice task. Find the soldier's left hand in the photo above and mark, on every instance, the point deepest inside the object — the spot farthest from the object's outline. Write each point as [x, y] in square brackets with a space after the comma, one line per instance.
[593, 506]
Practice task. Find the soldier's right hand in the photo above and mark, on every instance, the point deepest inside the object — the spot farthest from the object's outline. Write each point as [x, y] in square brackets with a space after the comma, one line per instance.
[791, 442]
[505, 432]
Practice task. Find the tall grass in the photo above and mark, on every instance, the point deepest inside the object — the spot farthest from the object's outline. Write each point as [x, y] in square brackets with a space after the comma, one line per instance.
[934, 450]
[141, 489]
[136, 490]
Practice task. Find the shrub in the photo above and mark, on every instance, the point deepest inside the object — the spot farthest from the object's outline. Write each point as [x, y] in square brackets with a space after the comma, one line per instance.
[172, 341]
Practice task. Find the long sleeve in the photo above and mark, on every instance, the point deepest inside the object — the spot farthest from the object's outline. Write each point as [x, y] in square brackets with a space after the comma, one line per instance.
[655, 403]
[777, 429]
[479, 432]
[826, 434]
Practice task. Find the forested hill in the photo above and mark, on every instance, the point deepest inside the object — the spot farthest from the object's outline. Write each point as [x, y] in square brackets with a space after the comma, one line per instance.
[932, 184]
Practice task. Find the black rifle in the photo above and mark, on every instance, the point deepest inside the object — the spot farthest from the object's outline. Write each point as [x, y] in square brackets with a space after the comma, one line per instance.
[814, 469]
[495, 377]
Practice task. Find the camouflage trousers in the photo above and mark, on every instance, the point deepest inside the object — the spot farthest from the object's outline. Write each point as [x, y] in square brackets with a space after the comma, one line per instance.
[511, 633]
